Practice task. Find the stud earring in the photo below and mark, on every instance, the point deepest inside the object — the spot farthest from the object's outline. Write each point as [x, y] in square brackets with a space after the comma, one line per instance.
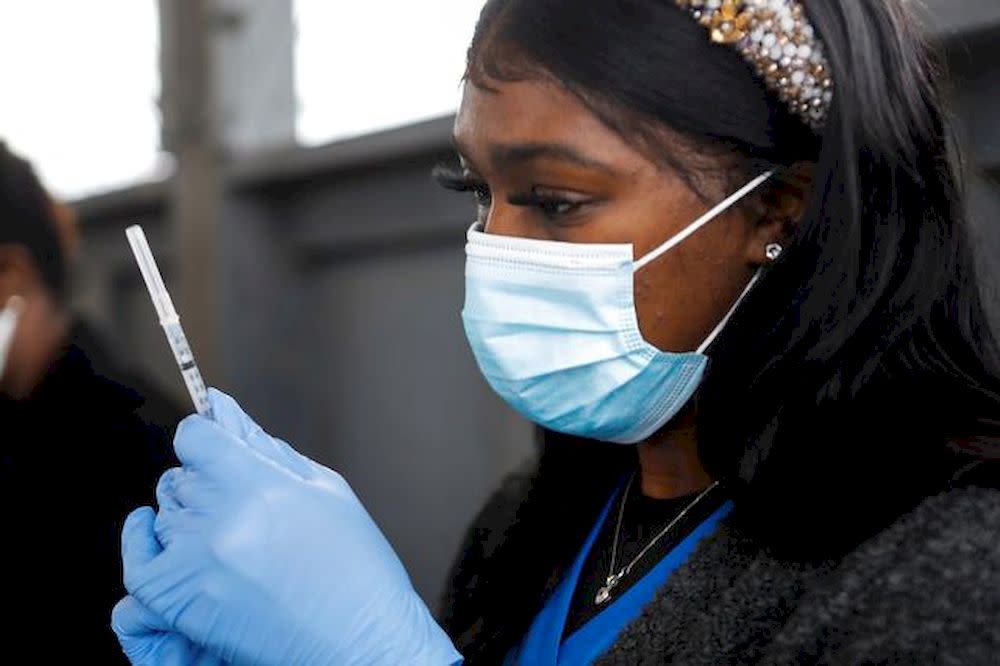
[773, 251]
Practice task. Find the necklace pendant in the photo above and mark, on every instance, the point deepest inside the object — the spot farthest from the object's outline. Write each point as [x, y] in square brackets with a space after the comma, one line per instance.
[604, 593]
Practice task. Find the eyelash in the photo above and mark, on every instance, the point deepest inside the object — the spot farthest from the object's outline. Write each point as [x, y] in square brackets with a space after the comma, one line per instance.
[550, 206]
[457, 181]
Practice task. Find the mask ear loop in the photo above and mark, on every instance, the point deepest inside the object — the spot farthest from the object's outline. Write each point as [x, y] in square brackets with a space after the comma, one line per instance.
[722, 207]
[703, 220]
[729, 315]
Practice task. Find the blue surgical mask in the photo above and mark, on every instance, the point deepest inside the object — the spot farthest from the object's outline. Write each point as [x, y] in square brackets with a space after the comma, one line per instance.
[554, 329]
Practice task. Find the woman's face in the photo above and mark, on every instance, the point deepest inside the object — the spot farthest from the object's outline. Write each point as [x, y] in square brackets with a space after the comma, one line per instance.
[546, 167]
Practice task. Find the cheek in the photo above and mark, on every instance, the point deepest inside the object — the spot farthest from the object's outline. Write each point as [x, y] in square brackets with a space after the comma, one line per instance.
[684, 294]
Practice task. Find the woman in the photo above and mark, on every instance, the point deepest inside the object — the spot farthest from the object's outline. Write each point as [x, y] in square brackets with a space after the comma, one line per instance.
[767, 183]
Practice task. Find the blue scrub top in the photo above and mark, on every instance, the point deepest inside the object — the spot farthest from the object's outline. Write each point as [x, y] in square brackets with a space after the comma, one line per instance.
[543, 643]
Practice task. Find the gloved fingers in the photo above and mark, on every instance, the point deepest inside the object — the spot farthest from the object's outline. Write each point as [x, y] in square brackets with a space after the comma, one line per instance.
[194, 441]
[148, 640]
[229, 415]
[212, 453]
[140, 550]
[281, 454]
[165, 497]
[170, 525]
[184, 488]
[140, 632]
[187, 489]
[204, 446]
[129, 618]
[139, 544]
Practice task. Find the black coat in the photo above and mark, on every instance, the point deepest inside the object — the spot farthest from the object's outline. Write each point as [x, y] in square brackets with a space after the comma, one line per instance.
[926, 589]
[85, 449]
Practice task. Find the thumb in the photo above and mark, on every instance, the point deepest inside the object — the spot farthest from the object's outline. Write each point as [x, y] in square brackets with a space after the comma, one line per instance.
[228, 414]
[201, 444]
[231, 417]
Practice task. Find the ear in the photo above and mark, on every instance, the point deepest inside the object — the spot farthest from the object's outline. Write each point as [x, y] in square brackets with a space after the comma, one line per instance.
[784, 202]
[18, 273]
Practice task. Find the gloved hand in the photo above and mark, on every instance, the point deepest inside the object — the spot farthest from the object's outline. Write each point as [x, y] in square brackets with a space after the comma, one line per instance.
[269, 558]
[145, 638]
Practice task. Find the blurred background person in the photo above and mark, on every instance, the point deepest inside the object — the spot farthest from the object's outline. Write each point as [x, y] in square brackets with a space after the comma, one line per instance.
[84, 439]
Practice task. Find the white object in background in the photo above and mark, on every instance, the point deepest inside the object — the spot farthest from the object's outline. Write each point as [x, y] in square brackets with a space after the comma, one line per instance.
[8, 326]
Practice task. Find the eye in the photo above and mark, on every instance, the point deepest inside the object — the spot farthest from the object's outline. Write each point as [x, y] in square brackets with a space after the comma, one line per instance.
[556, 207]
[551, 205]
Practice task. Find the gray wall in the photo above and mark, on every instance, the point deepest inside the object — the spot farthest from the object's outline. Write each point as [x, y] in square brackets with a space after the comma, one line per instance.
[341, 283]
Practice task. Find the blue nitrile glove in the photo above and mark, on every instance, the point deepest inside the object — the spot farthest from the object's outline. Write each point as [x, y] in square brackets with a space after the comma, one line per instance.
[270, 558]
[145, 638]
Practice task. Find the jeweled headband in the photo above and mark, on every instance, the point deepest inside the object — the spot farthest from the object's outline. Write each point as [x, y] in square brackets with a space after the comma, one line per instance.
[776, 38]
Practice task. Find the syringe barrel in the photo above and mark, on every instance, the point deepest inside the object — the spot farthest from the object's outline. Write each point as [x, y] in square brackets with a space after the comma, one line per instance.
[189, 369]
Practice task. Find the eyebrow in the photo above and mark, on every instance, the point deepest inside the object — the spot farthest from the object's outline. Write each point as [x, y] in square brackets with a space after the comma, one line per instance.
[519, 153]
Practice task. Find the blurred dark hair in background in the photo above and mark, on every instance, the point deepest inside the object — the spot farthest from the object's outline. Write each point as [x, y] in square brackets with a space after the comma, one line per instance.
[27, 218]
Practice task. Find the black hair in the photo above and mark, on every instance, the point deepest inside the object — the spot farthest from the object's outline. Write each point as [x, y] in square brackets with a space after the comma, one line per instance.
[27, 218]
[838, 391]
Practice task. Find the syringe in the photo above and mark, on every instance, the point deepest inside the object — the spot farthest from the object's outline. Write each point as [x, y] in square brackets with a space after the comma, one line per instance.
[169, 320]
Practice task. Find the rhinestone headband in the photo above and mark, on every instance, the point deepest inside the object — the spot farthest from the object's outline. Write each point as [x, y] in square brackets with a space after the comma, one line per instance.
[776, 38]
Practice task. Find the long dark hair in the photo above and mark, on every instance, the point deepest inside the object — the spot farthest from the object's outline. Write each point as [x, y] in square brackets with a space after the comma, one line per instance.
[833, 392]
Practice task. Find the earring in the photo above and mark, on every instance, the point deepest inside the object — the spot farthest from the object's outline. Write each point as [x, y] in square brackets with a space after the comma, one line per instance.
[773, 251]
